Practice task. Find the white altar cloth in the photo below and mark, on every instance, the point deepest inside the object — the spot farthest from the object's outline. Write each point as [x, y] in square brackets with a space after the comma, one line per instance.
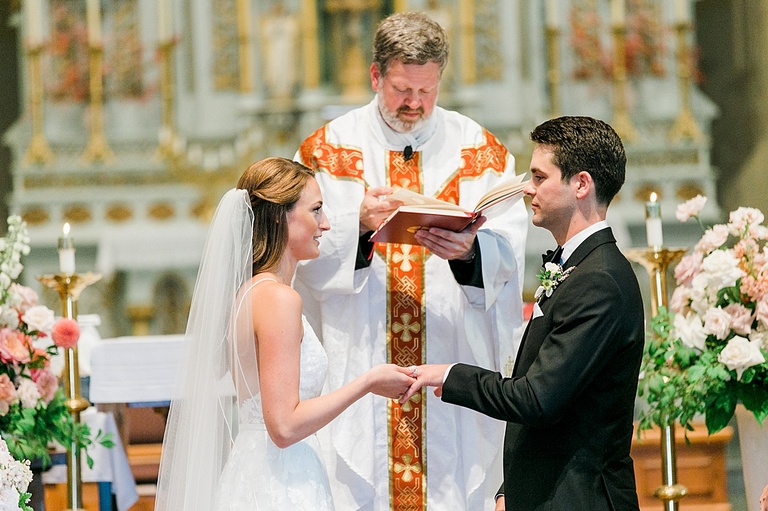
[134, 370]
[109, 465]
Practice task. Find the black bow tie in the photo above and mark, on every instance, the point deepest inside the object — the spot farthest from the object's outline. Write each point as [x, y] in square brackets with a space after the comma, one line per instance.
[552, 256]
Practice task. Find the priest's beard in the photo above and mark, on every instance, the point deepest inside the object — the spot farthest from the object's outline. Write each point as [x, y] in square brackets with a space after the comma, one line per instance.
[394, 122]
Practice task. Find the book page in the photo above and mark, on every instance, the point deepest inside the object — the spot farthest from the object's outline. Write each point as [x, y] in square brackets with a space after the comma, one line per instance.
[411, 198]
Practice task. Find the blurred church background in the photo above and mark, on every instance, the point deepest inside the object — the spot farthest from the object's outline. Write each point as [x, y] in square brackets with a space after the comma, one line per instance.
[128, 119]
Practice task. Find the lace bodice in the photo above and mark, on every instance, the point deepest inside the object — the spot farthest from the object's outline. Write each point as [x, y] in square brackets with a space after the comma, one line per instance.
[314, 364]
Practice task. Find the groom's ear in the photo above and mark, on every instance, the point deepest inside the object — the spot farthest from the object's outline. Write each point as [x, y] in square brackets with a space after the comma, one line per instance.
[583, 184]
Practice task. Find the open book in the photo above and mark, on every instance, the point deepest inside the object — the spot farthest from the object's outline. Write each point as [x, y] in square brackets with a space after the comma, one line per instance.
[422, 212]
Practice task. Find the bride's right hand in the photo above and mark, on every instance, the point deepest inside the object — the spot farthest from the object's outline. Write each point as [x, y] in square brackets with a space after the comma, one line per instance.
[389, 380]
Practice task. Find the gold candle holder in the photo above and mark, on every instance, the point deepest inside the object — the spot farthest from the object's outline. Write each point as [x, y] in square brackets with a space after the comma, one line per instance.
[69, 287]
[656, 260]
[621, 122]
[38, 150]
[97, 148]
[168, 125]
[685, 125]
[552, 34]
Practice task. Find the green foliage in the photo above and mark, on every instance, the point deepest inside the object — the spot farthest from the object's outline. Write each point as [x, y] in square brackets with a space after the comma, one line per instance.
[679, 382]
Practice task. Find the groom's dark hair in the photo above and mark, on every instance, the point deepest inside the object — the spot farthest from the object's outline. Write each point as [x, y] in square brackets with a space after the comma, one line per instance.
[585, 144]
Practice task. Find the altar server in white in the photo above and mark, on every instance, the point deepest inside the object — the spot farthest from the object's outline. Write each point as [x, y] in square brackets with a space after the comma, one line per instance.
[455, 297]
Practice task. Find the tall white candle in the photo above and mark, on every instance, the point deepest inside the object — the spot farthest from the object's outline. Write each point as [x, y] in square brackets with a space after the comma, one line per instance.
[653, 230]
[681, 11]
[617, 12]
[66, 252]
[551, 14]
[34, 12]
[93, 18]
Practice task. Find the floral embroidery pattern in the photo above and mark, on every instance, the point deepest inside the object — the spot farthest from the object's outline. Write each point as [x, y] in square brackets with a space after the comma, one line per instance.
[551, 276]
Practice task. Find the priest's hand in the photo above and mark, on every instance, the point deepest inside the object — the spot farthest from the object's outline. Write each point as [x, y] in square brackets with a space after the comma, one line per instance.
[451, 245]
[430, 375]
[375, 208]
[500, 505]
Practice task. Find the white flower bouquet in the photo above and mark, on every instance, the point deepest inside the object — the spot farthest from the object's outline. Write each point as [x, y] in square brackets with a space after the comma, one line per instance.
[15, 477]
[708, 352]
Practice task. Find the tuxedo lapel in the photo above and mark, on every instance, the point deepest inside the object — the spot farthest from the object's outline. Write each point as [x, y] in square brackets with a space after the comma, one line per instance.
[597, 239]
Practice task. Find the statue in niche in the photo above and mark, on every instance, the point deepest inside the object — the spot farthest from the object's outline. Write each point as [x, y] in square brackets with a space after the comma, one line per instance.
[279, 35]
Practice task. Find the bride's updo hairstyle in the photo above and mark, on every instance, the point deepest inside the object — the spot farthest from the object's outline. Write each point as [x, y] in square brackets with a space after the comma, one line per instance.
[274, 186]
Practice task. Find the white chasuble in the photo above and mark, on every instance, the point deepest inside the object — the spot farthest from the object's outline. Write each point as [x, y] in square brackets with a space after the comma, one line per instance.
[407, 308]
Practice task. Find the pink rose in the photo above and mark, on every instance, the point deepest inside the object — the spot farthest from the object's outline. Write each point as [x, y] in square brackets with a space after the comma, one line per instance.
[65, 333]
[688, 267]
[690, 208]
[717, 322]
[7, 394]
[14, 346]
[741, 318]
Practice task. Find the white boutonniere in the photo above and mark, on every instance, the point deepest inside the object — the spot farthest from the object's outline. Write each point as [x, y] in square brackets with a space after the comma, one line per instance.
[551, 275]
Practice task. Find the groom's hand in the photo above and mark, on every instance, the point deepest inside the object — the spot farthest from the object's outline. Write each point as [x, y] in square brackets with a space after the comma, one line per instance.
[430, 375]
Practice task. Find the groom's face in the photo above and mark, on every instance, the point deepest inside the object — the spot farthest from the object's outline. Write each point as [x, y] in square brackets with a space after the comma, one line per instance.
[553, 201]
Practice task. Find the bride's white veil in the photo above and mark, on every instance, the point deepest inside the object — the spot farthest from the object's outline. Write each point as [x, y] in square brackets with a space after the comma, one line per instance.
[203, 416]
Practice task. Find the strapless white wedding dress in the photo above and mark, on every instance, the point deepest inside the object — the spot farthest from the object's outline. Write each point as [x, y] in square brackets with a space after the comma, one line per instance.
[259, 476]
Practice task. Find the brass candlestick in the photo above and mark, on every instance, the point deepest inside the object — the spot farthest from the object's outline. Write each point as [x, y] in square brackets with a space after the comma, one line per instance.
[168, 125]
[621, 122]
[38, 150]
[97, 148]
[685, 125]
[69, 287]
[656, 261]
[553, 69]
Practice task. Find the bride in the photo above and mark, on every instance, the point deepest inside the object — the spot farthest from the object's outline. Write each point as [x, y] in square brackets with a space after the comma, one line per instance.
[240, 434]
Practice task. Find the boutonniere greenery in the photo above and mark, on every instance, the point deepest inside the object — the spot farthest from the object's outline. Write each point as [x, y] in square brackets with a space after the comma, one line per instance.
[551, 275]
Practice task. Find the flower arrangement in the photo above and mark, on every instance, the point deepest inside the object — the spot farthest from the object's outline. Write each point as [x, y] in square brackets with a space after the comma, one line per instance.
[15, 477]
[33, 409]
[550, 276]
[708, 352]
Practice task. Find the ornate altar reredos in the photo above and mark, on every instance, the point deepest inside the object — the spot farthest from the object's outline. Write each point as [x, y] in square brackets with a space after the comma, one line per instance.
[139, 115]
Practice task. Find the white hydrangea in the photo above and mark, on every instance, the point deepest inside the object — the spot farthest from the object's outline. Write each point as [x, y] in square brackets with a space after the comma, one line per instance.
[15, 477]
[28, 393]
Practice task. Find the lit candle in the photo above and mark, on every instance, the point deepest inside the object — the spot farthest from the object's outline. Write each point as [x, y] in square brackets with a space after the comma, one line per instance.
[681, 11]
[617, 12]
[551, 14]
[653, 222]
[34, 12]
[164, 21]
[93, 18]
[66, 252]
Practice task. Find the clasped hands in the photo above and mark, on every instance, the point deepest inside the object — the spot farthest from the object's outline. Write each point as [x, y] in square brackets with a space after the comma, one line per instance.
[445, 244]
[428, 375]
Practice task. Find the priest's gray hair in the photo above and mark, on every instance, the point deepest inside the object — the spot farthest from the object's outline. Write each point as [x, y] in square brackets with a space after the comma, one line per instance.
[411, 38]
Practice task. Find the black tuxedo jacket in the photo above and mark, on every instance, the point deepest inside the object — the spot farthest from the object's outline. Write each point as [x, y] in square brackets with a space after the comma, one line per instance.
[569, 403]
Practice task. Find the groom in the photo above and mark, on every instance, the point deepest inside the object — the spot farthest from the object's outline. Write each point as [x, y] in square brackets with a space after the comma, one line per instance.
[569, 402]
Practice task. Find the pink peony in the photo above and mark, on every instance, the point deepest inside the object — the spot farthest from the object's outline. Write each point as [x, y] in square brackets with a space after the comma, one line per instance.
[26, 297]
[65, 333]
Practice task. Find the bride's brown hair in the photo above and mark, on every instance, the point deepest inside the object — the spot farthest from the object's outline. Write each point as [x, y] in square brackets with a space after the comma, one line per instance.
[274, 185]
